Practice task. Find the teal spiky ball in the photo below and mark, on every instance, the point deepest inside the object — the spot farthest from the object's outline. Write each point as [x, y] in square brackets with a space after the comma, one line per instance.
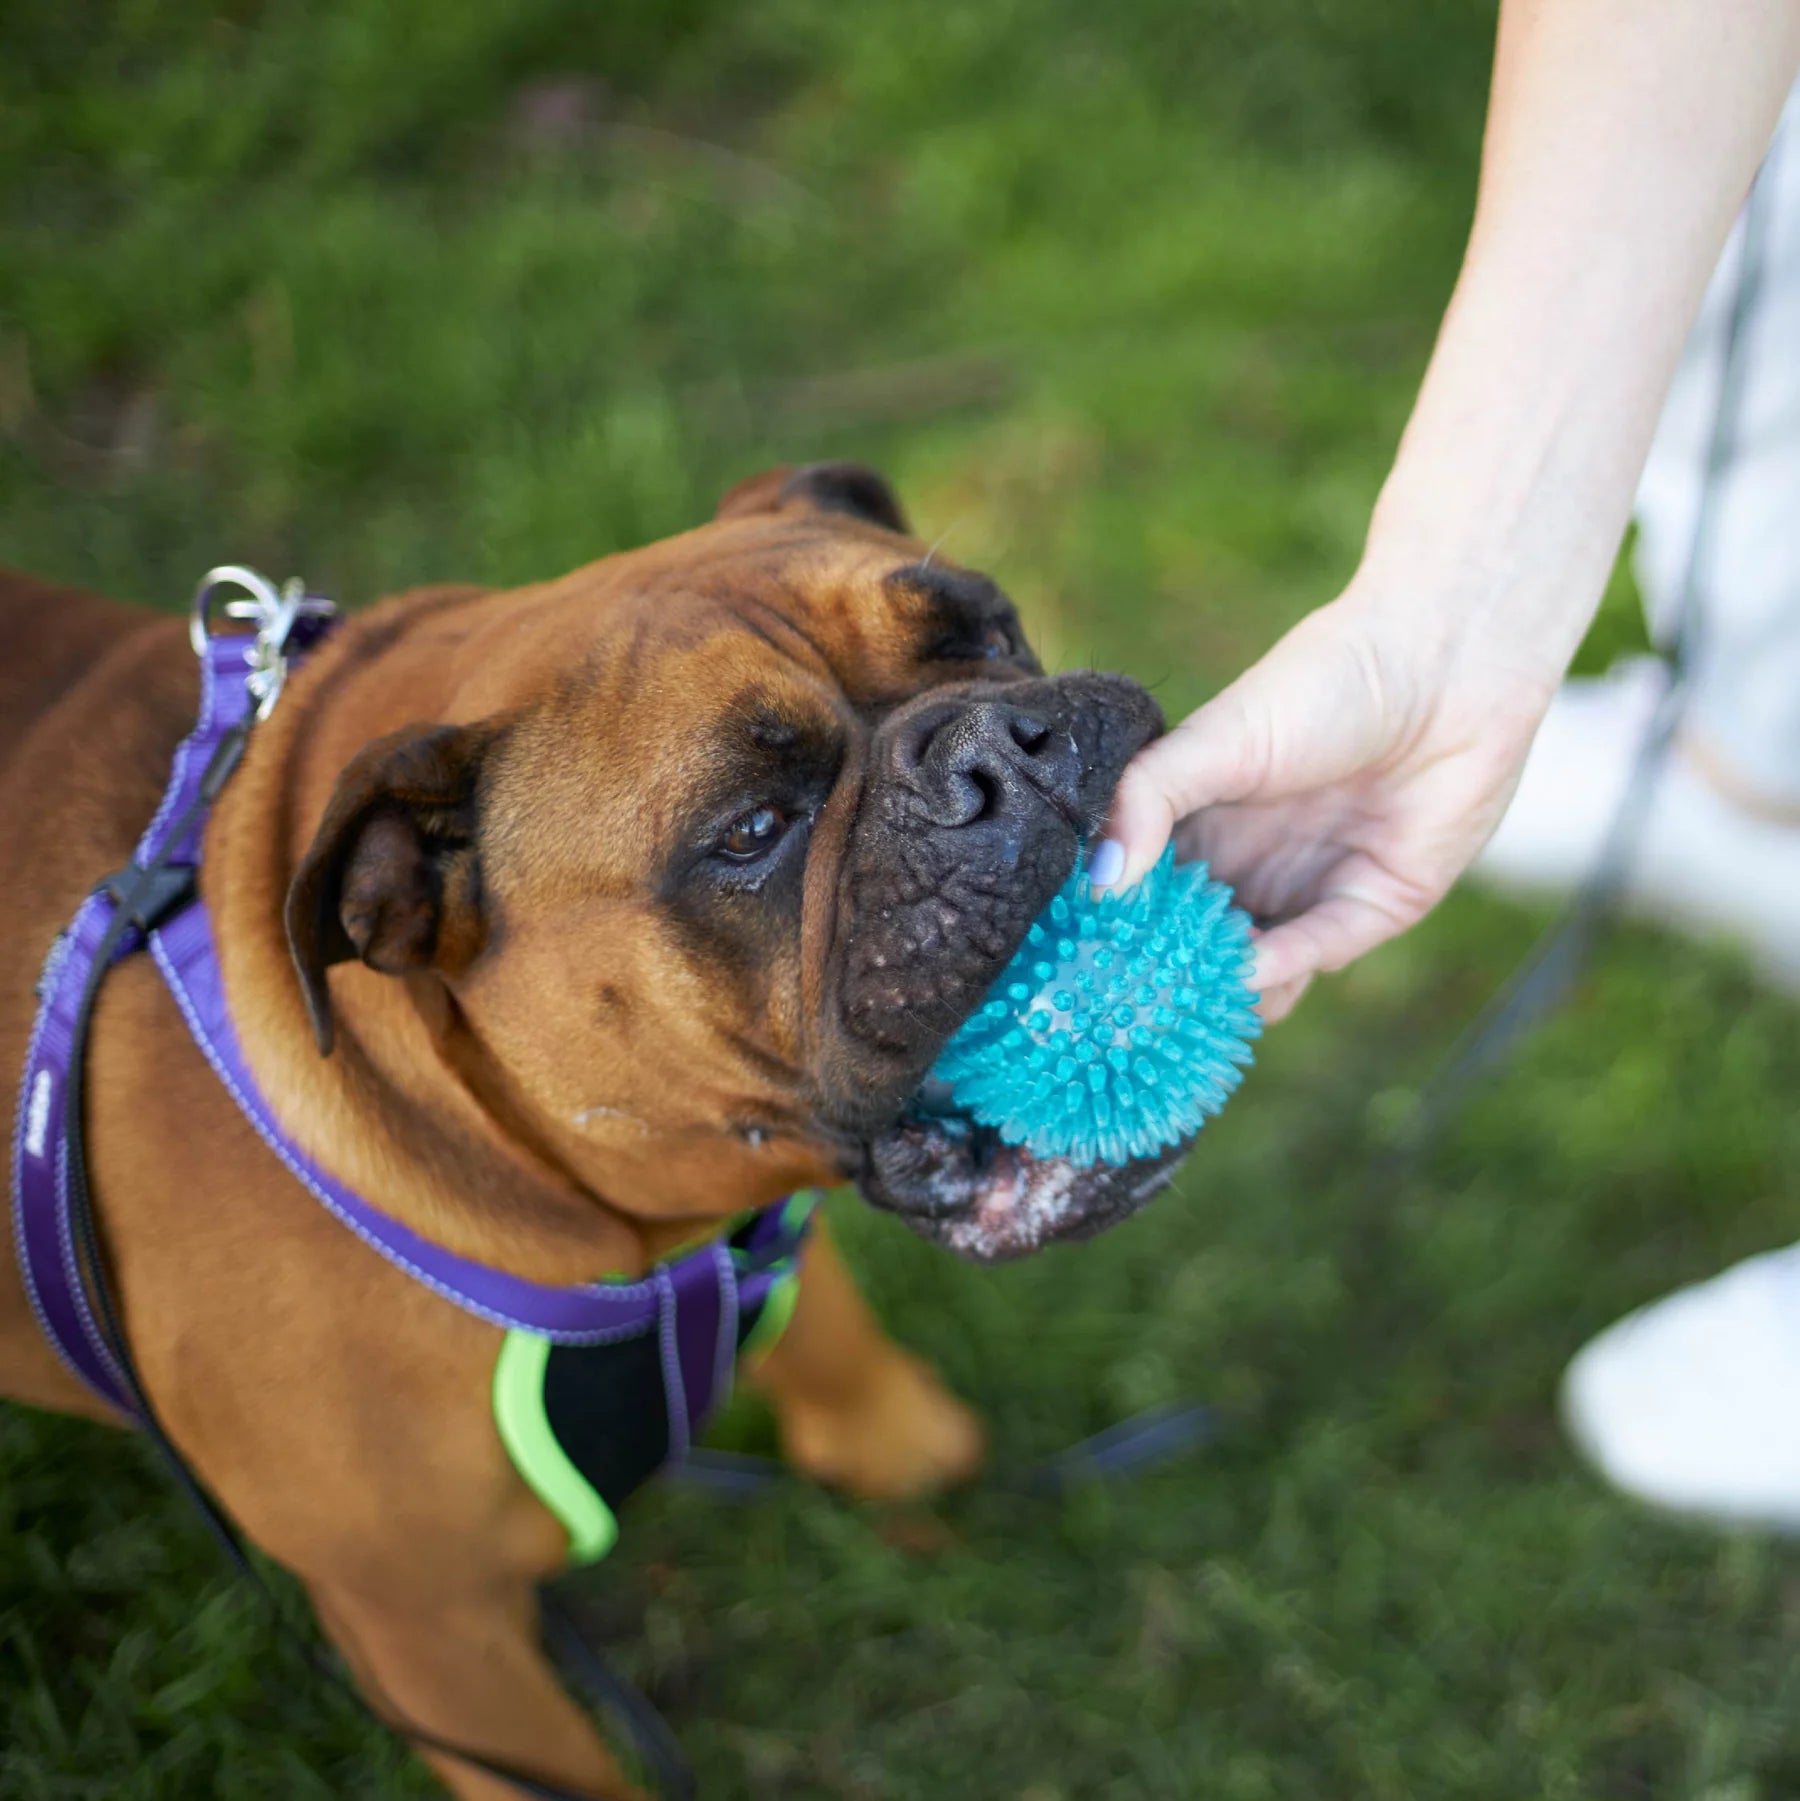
[1120, 1026]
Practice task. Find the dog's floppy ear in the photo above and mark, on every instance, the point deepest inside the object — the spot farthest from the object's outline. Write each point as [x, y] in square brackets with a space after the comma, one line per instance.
[391, 876]
[851, 488]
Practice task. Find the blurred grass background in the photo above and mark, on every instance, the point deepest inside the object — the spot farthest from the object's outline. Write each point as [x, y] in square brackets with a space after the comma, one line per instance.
[1130, 301]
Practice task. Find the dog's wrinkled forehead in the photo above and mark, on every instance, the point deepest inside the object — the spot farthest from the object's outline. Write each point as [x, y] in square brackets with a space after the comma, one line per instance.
[862, 612]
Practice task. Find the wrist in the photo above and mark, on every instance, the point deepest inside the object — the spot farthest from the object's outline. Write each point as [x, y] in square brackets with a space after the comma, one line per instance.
[1481, 609]
[1514, 478]
[1476, 564]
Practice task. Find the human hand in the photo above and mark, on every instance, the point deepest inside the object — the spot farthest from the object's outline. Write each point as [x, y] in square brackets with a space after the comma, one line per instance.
[1340, 785]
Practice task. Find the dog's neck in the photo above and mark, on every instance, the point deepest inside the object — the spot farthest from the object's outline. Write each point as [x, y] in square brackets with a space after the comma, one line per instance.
[406, 1110]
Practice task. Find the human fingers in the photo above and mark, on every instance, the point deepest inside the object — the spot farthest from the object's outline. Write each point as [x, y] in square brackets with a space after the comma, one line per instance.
[1278, 1003]
[1204, 760]
[1347, 922]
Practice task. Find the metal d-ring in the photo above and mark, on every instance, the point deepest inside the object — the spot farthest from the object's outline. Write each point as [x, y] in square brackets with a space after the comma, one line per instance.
[274, 614]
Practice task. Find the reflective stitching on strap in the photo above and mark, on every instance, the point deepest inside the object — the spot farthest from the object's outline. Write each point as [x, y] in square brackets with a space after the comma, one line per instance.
[177, 987]
[725, 1350]
[679, 1425]
[46, 984]
[72, 1273]
[152, 838]
[39, 1063]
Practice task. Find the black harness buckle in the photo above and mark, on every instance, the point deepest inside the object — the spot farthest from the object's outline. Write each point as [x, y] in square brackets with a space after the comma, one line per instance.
[148, 896]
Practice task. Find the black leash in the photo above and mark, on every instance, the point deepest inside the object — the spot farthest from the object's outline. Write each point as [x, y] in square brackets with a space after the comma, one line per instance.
[145, 895]
[1146, 1440]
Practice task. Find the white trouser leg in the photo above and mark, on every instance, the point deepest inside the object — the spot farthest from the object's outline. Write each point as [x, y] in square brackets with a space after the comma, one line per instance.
[1744, 708]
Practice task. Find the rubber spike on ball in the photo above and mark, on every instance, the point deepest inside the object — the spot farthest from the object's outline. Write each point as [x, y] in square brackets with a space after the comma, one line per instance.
[1121, 1025]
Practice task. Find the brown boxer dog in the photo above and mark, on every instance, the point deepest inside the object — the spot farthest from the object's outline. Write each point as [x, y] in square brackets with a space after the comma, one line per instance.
[615, 904]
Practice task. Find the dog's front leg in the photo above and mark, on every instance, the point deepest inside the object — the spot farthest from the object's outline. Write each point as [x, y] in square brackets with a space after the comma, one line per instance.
[855, 1410]
[466, 1667]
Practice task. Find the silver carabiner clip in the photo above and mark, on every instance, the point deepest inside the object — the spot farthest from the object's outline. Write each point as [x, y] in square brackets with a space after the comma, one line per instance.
[273, 612]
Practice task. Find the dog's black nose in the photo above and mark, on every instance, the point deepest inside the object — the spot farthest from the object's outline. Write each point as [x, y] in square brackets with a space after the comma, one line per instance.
[987, 761]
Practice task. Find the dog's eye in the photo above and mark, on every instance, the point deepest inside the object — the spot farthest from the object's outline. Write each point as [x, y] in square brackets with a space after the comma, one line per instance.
[988, 645]
[751, 836]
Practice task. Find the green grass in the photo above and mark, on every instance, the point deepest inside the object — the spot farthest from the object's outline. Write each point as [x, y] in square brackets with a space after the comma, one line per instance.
[1130, 301]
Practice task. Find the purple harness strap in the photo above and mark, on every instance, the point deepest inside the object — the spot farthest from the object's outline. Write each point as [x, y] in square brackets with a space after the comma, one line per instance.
[692, 1303]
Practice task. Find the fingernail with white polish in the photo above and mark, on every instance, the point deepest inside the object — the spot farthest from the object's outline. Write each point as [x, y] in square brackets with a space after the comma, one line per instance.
[1107, 863]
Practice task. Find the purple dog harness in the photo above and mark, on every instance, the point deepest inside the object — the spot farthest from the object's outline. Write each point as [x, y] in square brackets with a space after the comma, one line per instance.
[698, 1311]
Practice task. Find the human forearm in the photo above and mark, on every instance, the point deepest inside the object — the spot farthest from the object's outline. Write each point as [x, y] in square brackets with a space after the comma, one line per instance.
[1346, 779]
[1622, 137]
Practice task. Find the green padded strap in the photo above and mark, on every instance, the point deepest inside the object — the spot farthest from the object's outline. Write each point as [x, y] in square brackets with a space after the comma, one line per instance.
[531, 1443]
[777, 1310]
[784, 1291]
[525, 1431]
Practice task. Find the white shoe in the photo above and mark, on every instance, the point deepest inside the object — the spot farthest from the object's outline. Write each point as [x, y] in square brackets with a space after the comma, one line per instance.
[1693, 1403]
[1699, 862]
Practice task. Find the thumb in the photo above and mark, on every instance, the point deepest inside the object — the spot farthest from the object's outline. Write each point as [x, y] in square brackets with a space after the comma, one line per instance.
[1206, 759]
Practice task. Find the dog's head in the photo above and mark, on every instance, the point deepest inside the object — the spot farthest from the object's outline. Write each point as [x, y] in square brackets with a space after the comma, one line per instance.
[715, 844]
